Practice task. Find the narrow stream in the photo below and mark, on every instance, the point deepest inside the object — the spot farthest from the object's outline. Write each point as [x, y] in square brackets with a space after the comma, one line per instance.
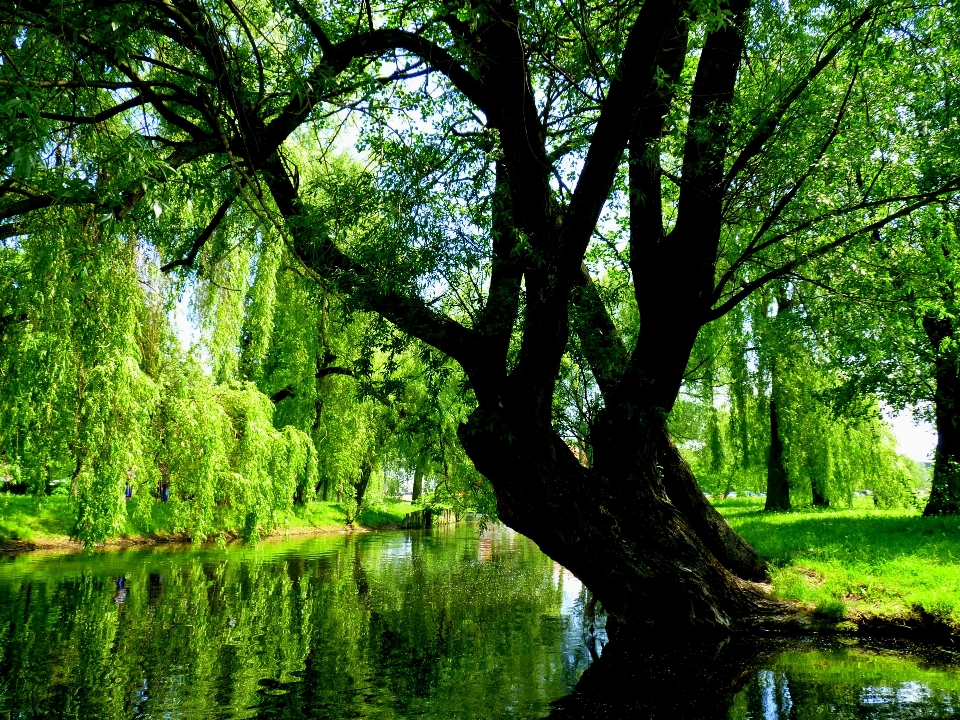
[436, 624]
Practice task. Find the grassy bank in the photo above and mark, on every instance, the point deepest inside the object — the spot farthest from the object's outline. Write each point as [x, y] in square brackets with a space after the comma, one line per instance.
[859, 563]
[49, 520]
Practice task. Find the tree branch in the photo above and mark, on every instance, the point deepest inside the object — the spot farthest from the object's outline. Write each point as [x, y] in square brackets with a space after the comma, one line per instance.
[407, 311]
[201, 239]
[601, 342]
[768, 125]
[290, 392]
[100, 116]
[787, 198]
[789, 267]
[632, 81]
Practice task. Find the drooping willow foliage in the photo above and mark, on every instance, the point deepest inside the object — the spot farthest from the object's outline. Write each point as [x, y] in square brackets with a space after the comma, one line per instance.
[288, 397]
[97, 393]
[763, 352]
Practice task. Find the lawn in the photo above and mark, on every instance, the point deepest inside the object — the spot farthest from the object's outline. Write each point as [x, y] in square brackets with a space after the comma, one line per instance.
[859, 562]
[51, 518]
[24, 517]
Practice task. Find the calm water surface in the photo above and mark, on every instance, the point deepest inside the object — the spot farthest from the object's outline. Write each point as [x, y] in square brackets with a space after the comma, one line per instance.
[441, 624]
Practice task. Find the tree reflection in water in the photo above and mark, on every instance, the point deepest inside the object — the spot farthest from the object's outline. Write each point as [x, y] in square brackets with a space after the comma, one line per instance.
[772, 679]
[669, 677]
[431, 625]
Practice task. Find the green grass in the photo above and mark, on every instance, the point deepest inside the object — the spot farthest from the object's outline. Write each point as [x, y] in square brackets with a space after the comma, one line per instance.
[51, 518]
[328, 515]
[26, 518]
[390, 513]
[862, 561]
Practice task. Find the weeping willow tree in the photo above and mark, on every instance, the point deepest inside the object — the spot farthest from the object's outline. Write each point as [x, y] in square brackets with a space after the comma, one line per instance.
[96, 392]
[761, 412]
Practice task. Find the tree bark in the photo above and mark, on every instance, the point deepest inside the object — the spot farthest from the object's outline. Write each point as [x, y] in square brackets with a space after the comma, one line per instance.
[681, 486]
[778, 485]
[613, 526]
[417, 484]
[945, 493]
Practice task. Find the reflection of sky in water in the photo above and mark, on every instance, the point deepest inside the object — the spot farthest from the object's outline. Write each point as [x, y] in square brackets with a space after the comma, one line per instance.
[909, 692]
[774, 694]
[844, 685]
[584, 634]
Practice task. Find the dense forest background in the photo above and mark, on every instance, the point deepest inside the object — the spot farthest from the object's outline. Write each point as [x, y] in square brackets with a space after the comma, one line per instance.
[129, 181]
[288, 396]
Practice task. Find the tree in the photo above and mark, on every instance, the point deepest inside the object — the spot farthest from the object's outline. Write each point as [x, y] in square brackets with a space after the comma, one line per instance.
[501, 135]
[900, 339]
[780, 349]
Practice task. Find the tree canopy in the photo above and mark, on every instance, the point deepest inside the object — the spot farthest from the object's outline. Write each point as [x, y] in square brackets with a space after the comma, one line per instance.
[557, 197]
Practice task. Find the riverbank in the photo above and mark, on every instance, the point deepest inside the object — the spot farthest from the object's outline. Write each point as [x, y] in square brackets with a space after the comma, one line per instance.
[27, 523]
[864, 568]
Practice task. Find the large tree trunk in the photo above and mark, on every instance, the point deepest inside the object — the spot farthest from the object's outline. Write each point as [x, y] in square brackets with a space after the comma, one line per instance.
[614, 526]
[778, 485]
[683, 490]
[945, 494]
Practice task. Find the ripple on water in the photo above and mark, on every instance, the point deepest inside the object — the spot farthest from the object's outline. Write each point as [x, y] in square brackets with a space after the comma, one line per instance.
[432, 624]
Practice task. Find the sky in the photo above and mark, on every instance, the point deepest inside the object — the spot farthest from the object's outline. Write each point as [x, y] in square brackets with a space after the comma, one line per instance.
[916, 441]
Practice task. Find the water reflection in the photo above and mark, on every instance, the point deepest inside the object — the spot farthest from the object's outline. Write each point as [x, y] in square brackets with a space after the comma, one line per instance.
[750, 679]
[441, 624]
[438, 625]
[853, 680]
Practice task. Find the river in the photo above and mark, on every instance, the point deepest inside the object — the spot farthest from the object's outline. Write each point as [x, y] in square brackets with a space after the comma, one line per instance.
[434, 624]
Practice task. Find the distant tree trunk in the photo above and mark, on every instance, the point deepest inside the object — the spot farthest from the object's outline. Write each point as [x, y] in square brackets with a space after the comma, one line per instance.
[361, 489]
[417, 484]
[778, 482]
[945, 493]
[820, 499]
[778, 485]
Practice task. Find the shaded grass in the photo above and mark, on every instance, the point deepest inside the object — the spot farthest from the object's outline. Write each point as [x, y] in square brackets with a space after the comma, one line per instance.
[862, 561]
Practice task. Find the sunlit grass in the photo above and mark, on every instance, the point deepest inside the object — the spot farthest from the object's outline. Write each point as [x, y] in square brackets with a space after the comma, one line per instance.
[27, 518]
[390, 512]
[24, 518]
[877, 563]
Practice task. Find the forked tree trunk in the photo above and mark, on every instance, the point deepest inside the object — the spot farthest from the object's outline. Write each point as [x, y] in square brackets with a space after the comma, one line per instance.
[615, 527]
[945, 493]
